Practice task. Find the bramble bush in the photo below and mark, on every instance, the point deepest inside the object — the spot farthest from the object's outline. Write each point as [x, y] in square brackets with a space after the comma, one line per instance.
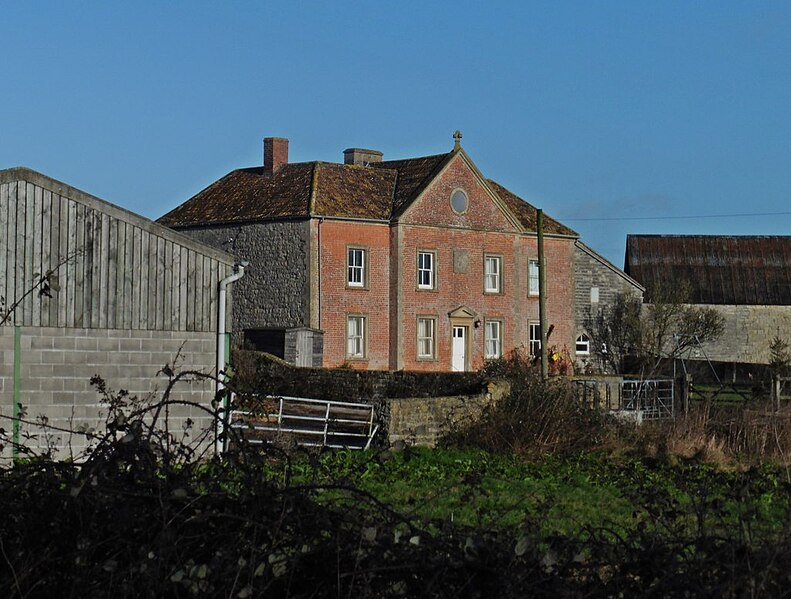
[145, 514]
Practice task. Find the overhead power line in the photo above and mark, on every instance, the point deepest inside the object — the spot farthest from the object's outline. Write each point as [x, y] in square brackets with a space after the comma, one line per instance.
[614, 218]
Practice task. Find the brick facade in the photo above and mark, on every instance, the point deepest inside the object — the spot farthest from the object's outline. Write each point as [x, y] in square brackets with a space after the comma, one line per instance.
[391, 300]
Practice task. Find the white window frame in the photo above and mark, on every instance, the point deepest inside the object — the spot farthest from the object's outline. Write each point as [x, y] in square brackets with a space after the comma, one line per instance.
[356, 273]
[429, 272]
[534, 339]
[428, 337]
[356, 336]
[492, 278]
[533, 277]
[582, 340]
[493, 338]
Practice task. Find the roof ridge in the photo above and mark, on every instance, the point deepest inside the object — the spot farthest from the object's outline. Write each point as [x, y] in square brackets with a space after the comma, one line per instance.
[314, 186]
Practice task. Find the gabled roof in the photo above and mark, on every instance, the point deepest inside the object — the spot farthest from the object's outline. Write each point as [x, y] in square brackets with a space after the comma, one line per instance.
[378, 191]
[720, 269]
[414, 175]
[21, 173]
[528, 214]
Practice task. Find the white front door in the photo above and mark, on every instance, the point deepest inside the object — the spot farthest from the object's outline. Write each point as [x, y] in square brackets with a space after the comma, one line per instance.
[459, 349]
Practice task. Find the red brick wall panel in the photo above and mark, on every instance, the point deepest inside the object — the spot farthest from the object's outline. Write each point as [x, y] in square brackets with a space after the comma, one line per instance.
[338, 300]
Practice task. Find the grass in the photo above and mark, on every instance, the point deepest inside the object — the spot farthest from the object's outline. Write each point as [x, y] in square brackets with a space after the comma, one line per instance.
[566, 496]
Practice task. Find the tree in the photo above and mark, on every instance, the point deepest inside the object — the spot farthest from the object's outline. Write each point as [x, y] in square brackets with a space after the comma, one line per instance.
[646, 334]
[780, 357]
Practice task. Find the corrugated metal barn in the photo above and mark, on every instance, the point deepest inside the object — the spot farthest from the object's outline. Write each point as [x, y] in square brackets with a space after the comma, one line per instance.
[747, 278]
[90, 288]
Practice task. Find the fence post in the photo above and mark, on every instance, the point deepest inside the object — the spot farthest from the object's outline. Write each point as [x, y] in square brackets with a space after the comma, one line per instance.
[776, 392]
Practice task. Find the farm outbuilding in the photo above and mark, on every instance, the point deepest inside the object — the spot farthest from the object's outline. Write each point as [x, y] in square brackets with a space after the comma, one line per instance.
[746, 278]
[89, 288]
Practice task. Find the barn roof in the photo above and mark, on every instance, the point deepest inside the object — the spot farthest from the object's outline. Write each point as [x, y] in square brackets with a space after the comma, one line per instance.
[720, 269]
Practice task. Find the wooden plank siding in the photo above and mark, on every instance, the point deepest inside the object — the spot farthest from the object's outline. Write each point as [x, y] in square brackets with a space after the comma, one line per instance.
[112, 269]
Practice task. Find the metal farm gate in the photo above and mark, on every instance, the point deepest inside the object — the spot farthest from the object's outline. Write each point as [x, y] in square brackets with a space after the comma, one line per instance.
[307, 422]
[647, 399]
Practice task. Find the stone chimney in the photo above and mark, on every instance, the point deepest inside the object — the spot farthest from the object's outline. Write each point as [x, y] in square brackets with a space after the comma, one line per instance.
[275, 154]
[361, 157]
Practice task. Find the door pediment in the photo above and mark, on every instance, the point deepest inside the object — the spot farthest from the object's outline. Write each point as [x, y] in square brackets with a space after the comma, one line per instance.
[462, 312]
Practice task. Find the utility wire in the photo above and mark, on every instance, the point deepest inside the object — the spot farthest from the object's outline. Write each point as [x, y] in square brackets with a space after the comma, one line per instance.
[614, 218]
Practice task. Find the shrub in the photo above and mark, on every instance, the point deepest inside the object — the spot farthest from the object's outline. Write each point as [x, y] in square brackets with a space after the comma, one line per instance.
[536, 417]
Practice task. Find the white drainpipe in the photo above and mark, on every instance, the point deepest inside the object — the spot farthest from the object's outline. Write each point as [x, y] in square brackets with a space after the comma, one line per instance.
[221, 357]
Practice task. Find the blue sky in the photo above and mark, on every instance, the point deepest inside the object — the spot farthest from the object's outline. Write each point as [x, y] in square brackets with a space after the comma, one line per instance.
[590, 110]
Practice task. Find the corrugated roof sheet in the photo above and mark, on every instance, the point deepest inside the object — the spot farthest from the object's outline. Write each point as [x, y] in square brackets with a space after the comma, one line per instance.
[747, 270]
[379, 191]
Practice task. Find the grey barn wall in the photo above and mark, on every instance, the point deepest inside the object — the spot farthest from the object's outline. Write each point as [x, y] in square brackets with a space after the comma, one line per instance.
[114, 269]
[274, 291]
[748, 332]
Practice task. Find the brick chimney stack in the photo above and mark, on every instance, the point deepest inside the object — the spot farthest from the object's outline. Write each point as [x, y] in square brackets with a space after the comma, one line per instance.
[361, 157]
[275, 154]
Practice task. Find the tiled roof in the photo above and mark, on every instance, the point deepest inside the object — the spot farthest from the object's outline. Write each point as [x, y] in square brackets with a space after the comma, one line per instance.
[527, 214]
[351, 191]
[248, 195]
[379, 191]
[413, 176]
[720, 269]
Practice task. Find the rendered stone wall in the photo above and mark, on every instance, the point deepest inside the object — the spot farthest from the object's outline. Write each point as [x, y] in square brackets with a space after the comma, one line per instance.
[749, 331]
[56, 365]
[274, 291]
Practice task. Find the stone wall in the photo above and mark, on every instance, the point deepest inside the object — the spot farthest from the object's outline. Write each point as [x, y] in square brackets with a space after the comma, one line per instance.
[749, 331]
[423, 420]
[274, 291]
[55, 366]
[595, 279]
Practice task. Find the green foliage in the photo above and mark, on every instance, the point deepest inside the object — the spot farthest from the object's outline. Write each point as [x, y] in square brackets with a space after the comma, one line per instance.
[780, 357]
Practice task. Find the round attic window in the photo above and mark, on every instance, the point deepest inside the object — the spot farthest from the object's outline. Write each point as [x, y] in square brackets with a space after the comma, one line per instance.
[459, 201]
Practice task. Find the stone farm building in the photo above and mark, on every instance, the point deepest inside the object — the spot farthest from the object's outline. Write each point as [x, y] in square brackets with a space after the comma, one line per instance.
[416, 264]
[747, 279]
[127, 297]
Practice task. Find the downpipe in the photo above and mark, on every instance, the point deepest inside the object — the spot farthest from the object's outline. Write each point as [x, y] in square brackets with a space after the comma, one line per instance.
[238, 273]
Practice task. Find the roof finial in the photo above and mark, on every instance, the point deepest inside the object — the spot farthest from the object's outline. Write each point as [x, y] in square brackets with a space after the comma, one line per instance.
[457, 140]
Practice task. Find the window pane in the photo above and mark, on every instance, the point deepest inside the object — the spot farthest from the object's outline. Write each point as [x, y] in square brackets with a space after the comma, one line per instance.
[492, 273]
[535, 339]
[356, 267]
[355, 346]
[582, 345]
[532, 277]
[425, 337]
[425, 270]
[493, 340]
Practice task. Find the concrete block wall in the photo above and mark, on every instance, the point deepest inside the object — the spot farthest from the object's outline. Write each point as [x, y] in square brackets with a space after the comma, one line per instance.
[56, 365]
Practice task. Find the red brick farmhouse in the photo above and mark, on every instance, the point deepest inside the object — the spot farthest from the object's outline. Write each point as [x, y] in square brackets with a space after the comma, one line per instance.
[417, 264]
